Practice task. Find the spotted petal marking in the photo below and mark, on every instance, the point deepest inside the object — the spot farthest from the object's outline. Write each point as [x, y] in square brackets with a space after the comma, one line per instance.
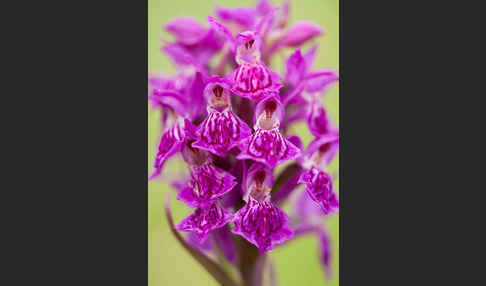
[253, 80]
[204, 220]
[268, 147]
[220, 132]
[319, 187]
[262, 224]
[207, 184]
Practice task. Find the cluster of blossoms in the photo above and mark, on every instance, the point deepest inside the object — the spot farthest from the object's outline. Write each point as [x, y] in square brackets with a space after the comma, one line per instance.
[228, 114]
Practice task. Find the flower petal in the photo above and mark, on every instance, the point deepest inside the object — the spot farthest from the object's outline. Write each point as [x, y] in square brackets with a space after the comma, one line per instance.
[187, 31]
[254, 81]
[318, 81]
[309, 57]
[220, 132]
[204, 220]
[319, 188]
[241, 15]
[296, 68]
[207, 184]
[262, 224]
[268, 147]
[171, 143]
[169, 98]
[179, 54]
[223, 31]
[317, 120]
[328, 144]
[301, 32]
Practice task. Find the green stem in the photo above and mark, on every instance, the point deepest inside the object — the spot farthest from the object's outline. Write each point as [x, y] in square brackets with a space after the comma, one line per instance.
[247, 257]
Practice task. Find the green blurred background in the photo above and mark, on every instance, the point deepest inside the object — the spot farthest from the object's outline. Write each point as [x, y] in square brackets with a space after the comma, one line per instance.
[297, 262]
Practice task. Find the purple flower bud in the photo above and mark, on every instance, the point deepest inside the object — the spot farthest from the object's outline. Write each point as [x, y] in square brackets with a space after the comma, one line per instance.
[300, 33]
[204, 220]
[222, 129]
[187, 30]
[263, 224]
[319, 188]
[252, 79]
[267, 145]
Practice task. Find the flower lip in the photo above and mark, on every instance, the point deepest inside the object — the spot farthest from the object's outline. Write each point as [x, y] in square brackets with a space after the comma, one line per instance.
[207, 184]
[320, 190]
[204, 220]
[263, 224]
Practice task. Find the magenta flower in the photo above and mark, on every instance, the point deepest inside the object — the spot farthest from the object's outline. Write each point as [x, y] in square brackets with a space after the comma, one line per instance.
[304, 89]
[207, 182]
[259, 221]
[229, 113]
[171, 143]
[222, 129]
[267, 145]
[252, 79]
[204, 220]
[319, 188]
[262, 224]
[206, 185]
